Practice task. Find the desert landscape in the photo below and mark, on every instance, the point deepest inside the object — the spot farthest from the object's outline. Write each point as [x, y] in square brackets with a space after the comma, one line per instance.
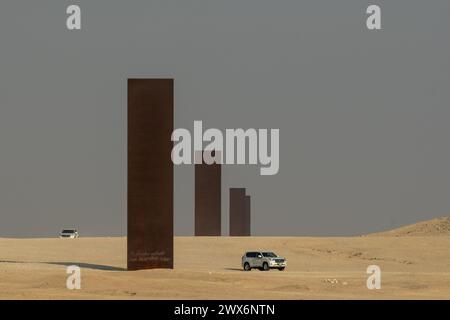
[414, 261]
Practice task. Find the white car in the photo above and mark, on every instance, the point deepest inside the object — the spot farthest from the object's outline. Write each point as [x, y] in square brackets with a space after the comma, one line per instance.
[263, 260]
[69, 233]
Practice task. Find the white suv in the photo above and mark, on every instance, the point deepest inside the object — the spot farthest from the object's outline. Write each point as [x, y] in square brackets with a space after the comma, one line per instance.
[263, 261]
[69, 233]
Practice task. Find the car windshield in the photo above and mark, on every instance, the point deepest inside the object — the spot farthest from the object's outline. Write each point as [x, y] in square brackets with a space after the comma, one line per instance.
[68, 231]
[269, 255]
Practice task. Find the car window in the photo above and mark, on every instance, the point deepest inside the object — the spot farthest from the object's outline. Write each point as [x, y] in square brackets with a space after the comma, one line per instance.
[269, 255]
[251, 254]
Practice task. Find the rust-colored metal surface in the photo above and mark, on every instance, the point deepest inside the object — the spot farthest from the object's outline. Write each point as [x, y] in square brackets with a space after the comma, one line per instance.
[247, 216]
[208, 186]
[237, 212]
[150, 174]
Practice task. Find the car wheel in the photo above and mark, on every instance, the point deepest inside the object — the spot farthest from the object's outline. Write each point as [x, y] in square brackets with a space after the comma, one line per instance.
[247, 266]
[281, 269]
[265, 266]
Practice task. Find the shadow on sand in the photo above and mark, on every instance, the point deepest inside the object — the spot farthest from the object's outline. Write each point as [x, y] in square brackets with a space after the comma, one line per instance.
[234, 269]
[82, 265]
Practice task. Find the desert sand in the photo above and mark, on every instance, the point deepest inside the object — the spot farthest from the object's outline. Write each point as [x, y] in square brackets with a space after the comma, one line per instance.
[414, 265]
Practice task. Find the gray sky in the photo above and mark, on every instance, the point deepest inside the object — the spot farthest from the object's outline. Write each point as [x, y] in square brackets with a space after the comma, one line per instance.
[363, 116]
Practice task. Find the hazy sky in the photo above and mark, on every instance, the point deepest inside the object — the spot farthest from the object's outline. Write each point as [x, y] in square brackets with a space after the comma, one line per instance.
[364, 116]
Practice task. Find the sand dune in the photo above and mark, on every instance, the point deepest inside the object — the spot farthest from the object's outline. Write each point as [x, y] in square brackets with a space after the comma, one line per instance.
[209, 268]
[434, 227]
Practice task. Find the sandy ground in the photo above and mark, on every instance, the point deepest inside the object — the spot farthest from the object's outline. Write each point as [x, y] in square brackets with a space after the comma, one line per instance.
[209, 268]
